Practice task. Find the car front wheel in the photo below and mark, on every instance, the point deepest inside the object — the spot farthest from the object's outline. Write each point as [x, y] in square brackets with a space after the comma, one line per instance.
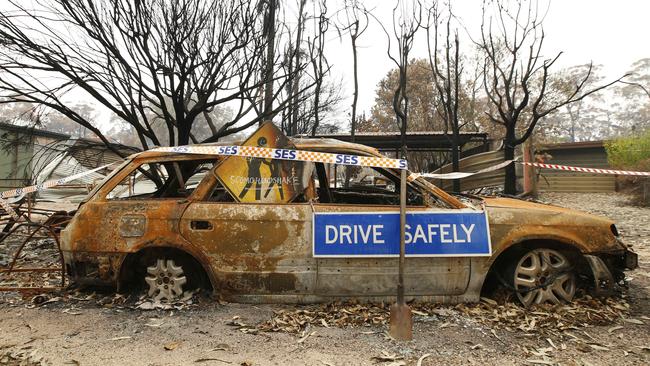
[542, 276]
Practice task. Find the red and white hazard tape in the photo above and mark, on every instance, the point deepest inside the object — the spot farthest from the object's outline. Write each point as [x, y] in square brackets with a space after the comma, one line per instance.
[312, 156]
[587, 170]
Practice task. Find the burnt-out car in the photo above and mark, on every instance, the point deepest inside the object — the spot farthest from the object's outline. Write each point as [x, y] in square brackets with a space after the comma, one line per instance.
[168, 222]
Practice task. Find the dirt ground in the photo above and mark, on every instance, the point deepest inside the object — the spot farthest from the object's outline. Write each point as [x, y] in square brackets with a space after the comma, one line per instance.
[91, 329]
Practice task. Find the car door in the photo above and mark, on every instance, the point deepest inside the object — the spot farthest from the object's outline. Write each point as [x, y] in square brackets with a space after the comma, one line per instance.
[377, 276]
[254, 248]
[133, 211]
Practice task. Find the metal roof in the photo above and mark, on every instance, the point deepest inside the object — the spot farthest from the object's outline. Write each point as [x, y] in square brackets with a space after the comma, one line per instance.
[572, 145]
[32, 131]
[424, 140]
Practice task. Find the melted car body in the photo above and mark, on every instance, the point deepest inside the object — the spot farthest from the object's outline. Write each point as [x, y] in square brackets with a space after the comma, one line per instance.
[173, 206]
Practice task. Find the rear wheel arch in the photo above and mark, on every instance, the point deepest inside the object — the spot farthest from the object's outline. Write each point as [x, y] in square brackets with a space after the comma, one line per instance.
[133, 267]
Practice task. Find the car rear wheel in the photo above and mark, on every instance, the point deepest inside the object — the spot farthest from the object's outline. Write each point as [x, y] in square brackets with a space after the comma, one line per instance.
[166, 280]
[542, 276]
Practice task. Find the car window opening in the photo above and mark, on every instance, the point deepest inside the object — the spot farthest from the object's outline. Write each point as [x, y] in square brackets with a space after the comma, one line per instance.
[161, 180]
[342, 184]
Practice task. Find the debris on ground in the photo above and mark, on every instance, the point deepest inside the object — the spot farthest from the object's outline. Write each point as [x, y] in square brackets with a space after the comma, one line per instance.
[25, 355]
[589, 331]
[508, 316]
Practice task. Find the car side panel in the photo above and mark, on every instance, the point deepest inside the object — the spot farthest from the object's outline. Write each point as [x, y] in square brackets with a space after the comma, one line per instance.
[378, 276]
[254, 249]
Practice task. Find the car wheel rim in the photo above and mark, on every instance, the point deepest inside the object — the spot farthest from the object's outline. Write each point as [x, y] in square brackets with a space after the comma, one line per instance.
[544, 276]
[165, 280]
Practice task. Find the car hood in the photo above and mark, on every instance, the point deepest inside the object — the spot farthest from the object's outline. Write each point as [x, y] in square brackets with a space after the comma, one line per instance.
[543, 210]
[513, 220]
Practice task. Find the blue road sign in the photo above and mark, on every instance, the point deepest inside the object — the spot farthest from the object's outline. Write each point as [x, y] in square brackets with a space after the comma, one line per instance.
[377, 234]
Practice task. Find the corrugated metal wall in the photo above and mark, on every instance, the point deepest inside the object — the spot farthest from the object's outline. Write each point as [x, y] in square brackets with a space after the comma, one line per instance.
[472, 164]
[15, 160]
[560, 181]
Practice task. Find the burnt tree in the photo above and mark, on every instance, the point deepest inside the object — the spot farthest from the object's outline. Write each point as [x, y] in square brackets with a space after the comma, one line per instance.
[168, 60]
[446, 69]
[516, 75]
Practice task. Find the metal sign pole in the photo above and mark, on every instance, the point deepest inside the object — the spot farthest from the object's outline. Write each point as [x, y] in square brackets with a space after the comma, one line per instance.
[402, 245]
[401, 319]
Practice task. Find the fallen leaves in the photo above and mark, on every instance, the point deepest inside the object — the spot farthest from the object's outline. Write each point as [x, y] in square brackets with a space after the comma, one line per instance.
[119, 338]
[44, 299]
[633, 321]
[422, 358]
[386, 356]
[171, 346]
[613, 329]
[304, 338]
[507, 316]
[209, 359]
[598, 348]
[243, 327]
[543, 319]
[146, 303]
[334, 314]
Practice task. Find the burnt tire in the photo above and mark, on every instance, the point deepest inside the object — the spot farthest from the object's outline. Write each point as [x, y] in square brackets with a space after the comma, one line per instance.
[144, 269]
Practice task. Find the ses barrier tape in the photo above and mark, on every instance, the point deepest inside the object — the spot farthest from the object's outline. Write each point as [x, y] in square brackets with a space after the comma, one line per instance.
[301, 155]
[40, 187]
[234, 150]
[48, 184]
[7, 207]
[288, 154]
[459, 175]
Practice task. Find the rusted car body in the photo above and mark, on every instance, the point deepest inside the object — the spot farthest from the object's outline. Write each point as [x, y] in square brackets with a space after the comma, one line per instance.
[262, 252]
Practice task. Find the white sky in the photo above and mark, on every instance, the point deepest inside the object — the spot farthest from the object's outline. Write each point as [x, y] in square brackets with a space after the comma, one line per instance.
[613, 33]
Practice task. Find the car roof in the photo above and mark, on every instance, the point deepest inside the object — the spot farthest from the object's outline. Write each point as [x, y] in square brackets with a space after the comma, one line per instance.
[311, 144]
[320, 145]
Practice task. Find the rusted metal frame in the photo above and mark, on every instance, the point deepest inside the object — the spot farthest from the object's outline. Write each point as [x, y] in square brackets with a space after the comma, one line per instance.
[28, 238]
[323, 182]
[28, 289]
[29, 270]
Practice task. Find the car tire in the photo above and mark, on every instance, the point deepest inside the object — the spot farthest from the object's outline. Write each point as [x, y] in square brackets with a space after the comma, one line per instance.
[543, 276]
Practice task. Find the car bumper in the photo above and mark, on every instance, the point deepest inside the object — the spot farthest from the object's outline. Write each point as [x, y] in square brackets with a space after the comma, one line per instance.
[608, 270]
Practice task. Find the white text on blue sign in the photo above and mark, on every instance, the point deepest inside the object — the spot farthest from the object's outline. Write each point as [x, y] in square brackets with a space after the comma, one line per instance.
[377, 234]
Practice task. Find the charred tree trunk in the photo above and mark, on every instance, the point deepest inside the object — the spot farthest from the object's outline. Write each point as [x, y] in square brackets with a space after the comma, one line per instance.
[510, 184]
[270, 61]
[353, 120]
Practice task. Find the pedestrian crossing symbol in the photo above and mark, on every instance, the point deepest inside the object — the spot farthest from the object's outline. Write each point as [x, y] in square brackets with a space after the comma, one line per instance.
[267, 180]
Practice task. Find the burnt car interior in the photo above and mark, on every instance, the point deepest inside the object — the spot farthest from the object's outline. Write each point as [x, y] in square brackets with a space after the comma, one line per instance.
[178, 178]
[159, 180]
[384, 190]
